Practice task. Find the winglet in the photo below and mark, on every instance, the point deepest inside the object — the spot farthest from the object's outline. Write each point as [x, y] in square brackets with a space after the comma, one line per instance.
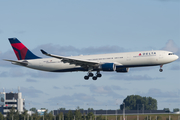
[44, 52]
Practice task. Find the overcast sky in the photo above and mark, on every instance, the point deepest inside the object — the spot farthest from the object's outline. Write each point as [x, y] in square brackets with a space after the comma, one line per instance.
[91, 27]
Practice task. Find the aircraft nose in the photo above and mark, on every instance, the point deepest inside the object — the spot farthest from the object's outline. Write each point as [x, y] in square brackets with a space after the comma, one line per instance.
[176, 57]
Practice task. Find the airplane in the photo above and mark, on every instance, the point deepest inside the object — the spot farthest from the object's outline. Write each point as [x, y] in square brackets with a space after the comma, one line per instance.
[119, 62]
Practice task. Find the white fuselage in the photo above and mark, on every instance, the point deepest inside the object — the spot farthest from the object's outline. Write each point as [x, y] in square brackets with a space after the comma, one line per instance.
[126, 59]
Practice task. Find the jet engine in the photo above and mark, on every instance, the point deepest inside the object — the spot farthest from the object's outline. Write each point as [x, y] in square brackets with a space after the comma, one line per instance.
[108, 67]
[122, 70]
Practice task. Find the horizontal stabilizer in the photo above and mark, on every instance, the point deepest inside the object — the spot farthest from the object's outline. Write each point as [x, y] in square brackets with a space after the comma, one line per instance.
[23, 63]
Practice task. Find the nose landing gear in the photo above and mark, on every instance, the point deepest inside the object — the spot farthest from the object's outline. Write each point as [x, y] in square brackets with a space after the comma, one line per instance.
[160, 70]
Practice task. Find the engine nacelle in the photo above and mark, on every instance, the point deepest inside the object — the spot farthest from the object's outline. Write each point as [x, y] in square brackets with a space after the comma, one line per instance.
[122, 70]
[108, 67]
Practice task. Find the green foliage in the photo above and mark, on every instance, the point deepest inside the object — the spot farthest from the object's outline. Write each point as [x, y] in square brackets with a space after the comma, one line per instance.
[78, 108]
[159, 118]
[35, 116]
[49, 116]
[69, 115]
[1, 116]
[169, 119]
[166, 109]
[90, 109]
[148, 118]
[136, 102]
[10, 114]
[78, 115]
[33, 109]
[60, 116]
[62, 108]
[100, 117]
[90, 116]
[16, 115]
[176, 110]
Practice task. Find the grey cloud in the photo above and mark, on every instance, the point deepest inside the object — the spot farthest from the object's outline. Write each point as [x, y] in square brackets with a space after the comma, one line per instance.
[115, 87]
[172, 100]
[103, 90]
[16, 72]
[13, 72]
[4, 74]
[42, 74]
[7, 55]
[175, 67]
[70, 50]
[55, 87]
[30, 104]
[133, 77]
[20, 32]
[103, 49]
[154, 92]
[169, 0]
[171, 46]
[75, 99]
[61, 50]
[68, 88]
[20, 72]
[30, 92]
[31, 80]
[83, 85]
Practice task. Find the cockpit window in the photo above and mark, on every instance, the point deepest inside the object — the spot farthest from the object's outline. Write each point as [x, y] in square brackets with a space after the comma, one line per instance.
[171, 54]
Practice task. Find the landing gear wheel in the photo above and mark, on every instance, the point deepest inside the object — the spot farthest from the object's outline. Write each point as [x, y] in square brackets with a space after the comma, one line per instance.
[99, 75]
[161, 68]
[86, 77]
[90, 74]
[94, 78]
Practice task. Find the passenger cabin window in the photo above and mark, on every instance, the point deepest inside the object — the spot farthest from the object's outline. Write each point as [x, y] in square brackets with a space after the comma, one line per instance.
[171, 54]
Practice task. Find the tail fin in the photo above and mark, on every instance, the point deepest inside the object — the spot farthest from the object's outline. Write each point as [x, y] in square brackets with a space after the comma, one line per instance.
[22, 53]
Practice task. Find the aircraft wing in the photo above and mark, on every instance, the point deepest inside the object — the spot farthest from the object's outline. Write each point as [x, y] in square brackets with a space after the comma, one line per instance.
[23, 63]
[77, 62]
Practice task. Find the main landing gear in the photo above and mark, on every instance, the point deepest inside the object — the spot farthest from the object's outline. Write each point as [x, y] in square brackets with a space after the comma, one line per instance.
[160, 70]
[90, 74]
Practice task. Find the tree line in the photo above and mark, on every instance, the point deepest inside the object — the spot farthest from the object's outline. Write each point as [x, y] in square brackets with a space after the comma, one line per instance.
[136, 102]
[77, 115]
[132, 102]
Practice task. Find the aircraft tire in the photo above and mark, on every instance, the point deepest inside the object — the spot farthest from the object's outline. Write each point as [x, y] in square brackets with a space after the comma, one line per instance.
[94, 78]
[99, 75]
[90, 75]
[86, 77]
[160, 70]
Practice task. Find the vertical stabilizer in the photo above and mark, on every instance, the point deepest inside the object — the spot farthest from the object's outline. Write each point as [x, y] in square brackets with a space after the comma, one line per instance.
[21, 51]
